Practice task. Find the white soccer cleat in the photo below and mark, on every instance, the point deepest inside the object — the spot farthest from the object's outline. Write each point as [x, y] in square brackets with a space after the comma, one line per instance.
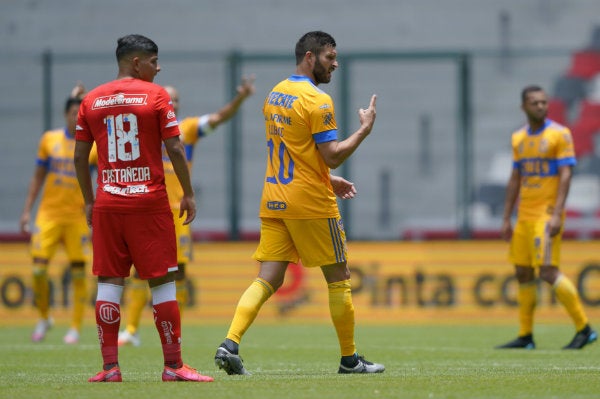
[126, 338]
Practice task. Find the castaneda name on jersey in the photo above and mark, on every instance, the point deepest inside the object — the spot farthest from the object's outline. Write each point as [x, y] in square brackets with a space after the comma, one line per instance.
[126, 175]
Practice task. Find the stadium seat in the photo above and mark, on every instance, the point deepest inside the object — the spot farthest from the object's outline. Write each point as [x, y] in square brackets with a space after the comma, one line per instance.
[500, 168]
[584, 195]
[584, 64]
[583, 137]
[570, 90]
[557, 111]
[595, 40]
[492, 195]
[594, 89]
[590, 110]
[586, 127]
[590, 163]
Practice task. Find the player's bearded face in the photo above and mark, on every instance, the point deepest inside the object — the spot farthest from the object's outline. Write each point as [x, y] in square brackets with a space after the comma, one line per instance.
[322, 70]
[321, 74]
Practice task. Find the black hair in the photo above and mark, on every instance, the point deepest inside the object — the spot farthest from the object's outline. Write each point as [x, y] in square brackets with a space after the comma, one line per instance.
[313, 41]
[529, 89]
[72, 101]
[131, 44]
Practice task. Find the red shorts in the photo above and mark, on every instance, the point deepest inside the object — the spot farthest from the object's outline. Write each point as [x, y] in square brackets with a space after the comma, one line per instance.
[145, 240]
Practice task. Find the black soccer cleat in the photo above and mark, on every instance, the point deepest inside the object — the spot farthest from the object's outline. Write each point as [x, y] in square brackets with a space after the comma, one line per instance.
[522, 342]
[230, 362]
[362, 366]
[582, 338]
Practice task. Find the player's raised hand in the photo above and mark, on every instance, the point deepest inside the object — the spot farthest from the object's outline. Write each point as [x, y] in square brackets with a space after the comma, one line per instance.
[79, 90]
[367, 116]
[246, 88]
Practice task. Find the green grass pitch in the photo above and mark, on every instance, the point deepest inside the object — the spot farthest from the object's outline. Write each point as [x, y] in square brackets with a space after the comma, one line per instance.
[290, 361]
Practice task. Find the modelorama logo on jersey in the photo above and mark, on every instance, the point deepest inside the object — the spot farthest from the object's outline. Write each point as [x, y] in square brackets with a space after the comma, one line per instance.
[419, 288]
[121, 99]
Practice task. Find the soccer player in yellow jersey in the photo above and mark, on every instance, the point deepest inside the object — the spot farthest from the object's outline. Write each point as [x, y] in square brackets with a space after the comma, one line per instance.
[60, 219]
[543, 159]
[192, 129]
[298, 210]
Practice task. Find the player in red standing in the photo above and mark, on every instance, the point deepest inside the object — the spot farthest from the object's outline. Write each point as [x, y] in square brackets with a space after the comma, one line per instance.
[129, 119]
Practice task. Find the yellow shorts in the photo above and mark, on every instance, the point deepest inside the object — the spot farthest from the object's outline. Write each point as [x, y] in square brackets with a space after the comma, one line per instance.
[74, 235]
[531, 244]
[184, 238]
[317, 242]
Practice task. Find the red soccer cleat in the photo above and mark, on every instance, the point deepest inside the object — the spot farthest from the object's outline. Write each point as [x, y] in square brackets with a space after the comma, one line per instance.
[184, 373]
[112, 375]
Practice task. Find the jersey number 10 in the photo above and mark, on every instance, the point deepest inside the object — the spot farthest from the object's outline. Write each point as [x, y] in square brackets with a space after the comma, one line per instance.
[284, 156]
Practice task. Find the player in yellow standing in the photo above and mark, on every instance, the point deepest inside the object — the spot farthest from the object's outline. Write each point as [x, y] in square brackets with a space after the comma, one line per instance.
[543, 159]
[299, 214]
[60, 219]
[192, 129]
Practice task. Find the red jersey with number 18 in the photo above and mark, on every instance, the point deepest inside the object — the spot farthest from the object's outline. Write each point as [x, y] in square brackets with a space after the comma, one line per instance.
[128, 119]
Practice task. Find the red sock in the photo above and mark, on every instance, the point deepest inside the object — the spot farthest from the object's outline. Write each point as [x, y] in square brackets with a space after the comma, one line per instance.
[108, 321]
[168, 324]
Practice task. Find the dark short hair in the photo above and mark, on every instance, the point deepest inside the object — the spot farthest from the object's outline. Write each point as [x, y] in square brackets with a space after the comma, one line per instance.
[314, 42]
[72, 101]
[131, 44]
[529, 89]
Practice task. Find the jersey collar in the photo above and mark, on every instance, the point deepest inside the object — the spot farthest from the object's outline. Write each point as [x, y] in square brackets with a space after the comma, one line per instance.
[532, 133]
[300, 78]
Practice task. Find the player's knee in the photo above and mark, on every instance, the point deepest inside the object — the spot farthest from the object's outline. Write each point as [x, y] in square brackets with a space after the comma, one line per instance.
[40, 270]
[549, 274]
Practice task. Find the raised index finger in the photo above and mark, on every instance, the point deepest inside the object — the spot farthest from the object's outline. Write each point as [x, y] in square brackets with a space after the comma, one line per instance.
[373, 101]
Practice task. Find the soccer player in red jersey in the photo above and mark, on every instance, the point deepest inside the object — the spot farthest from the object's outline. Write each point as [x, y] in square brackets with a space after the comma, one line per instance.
[129, 119]
[192, 128]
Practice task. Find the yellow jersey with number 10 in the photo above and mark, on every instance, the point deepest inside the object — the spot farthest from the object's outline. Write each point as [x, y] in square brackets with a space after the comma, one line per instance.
[538, 157]
[298, 116]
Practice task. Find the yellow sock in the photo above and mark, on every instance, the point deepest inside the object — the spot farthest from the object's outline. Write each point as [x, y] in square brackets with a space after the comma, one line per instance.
[342, 315]
[250, 303]
[79, 296]
[41, 290]
[182, 294]
[568, 296]
[138, 299]
[527, 297]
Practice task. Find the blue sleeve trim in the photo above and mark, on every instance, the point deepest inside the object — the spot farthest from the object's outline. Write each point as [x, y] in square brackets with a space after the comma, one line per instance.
[324, 137]
[570, 161]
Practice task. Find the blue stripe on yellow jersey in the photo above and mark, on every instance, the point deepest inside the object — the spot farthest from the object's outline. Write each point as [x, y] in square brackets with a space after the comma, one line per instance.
[61, 199]
[538, 156]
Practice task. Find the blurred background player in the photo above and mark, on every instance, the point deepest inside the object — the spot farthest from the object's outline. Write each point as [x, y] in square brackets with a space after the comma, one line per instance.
[192, 129]
[543, 159]
[60, 219]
